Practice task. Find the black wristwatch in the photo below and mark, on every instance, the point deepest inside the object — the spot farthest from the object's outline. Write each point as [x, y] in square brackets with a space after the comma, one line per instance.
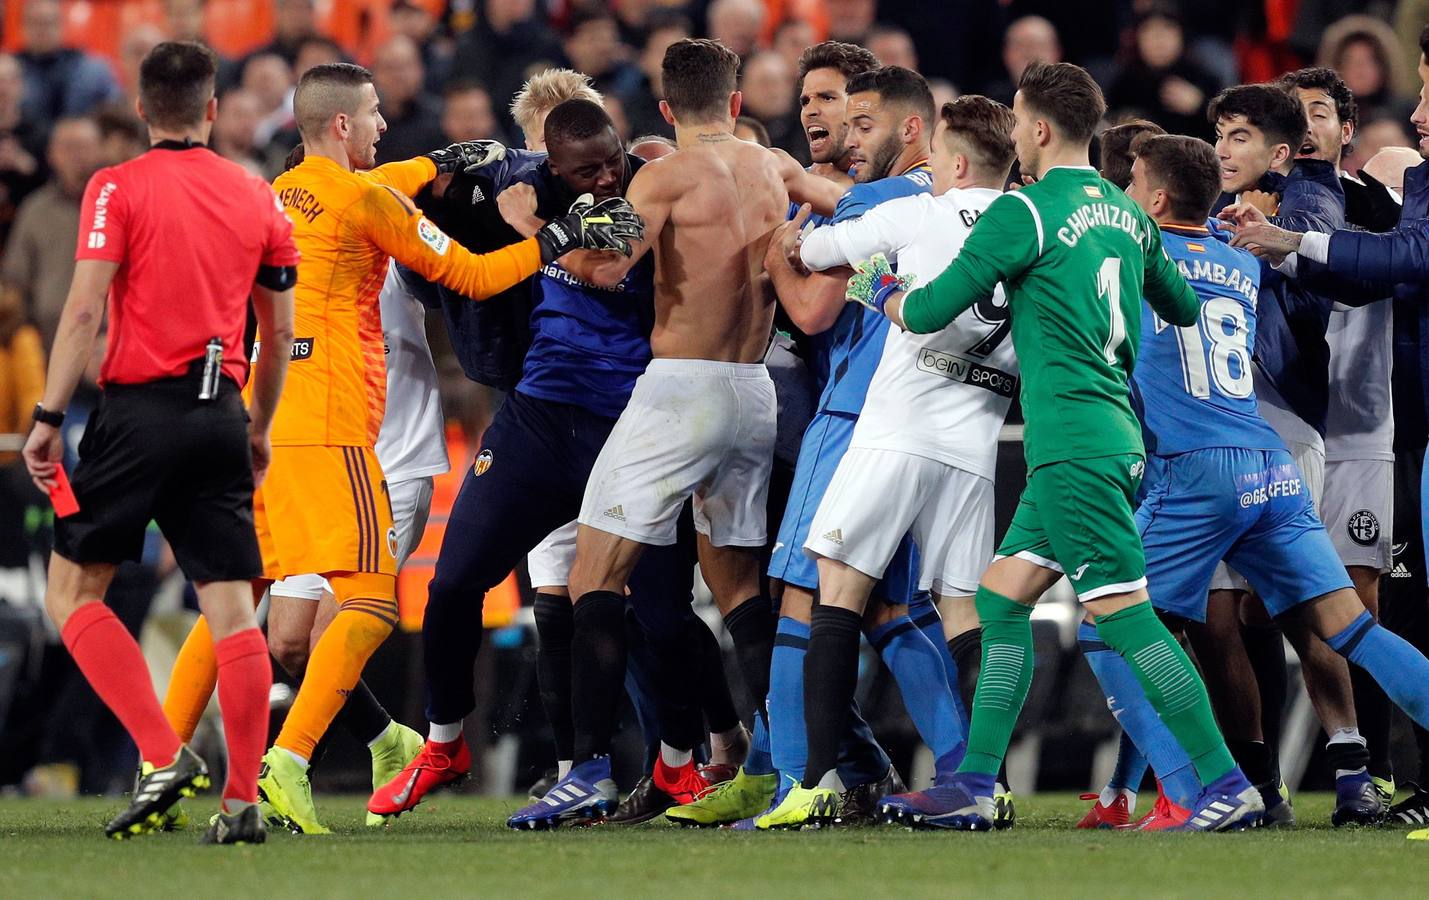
[53, 419]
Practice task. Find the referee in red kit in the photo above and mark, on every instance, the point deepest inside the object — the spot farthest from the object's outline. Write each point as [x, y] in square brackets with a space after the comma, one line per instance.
[178, 240]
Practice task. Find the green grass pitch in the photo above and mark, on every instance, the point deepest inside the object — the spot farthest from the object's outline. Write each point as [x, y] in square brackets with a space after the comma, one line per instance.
[458, 846]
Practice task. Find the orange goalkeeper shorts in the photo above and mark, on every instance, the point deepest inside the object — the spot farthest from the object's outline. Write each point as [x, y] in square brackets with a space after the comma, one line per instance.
[324, 510]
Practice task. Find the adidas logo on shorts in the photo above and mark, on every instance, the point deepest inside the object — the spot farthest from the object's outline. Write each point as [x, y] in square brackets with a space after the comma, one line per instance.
[616, 512]
[1400, 571]
[837, 536]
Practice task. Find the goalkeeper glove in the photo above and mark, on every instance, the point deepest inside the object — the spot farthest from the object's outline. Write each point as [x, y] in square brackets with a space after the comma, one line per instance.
[466, 156]
[608, 225]
[874, 281]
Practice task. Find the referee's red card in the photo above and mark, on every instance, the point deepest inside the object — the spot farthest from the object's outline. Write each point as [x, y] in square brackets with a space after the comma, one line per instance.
[62, 495]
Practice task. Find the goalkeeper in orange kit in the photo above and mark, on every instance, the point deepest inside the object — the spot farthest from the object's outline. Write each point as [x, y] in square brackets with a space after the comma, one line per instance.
[323, 507]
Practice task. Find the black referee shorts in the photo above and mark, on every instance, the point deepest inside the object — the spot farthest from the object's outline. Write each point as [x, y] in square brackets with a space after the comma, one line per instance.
[155, 452]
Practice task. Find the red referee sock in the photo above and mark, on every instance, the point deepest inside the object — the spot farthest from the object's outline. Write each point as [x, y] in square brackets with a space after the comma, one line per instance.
[244, 678]
[111, 661]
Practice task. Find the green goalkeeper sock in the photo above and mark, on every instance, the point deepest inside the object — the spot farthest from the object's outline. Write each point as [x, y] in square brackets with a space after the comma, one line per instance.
[1003, 682]
[1173, 686]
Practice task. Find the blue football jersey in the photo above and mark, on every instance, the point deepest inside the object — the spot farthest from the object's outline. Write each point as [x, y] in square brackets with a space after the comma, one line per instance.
[1193, 385]
[855, 342]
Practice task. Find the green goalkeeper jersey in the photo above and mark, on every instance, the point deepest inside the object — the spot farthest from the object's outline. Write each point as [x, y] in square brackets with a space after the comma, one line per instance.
[1073, 253]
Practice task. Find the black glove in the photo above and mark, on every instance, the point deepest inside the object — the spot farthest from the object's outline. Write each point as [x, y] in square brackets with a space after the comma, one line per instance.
[608, 225]
[466, 156]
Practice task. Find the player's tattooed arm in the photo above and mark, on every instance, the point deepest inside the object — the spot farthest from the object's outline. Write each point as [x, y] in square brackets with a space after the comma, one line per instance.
[812, 300]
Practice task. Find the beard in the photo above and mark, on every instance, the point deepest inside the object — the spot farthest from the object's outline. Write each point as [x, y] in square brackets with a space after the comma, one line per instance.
[880, 163]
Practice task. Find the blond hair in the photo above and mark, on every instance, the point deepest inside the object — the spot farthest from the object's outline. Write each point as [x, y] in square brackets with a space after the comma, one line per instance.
[543, 92]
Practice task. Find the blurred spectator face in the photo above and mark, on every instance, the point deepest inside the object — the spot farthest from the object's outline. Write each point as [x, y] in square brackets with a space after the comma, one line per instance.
[12, 82]
[822, 107]
[736, 24]
[502, 13]
[43, 24]
[654, 53]
[314, 52]
[744, 129]
[74, 154]
[1029, 39]
[467, 116]
[239, 113]
[849, 20]
[293, 19]
[594, 46]
[791, 39]
[874, 136]
[1158, 42]
[122, 137]
[1374, 137]
[595, 165]
[943, 92]
[1389, 165]
[768, 86]
[1328, 136]
[1245, 153]
[894, 47]
[616, 110]
[269, 78]
[1360, 68]
[133, 47]
[413, 21]
[397, 71]
[185, 19]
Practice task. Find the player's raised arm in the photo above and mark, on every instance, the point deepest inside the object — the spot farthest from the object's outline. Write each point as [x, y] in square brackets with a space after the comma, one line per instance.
[411, 175]
[1007, 239]
[805, 187]
[883, 229]
[651, 197]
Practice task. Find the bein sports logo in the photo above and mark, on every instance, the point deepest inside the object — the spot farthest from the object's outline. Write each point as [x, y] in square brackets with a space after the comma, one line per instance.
[97, 239]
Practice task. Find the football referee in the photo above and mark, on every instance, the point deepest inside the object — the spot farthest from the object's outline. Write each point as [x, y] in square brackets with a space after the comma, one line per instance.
[178, 240]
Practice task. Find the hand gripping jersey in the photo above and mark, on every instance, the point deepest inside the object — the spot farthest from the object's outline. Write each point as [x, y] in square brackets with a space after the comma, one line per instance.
[855, 342]
[347, 225]
[1193, 384]
[1073, 253]
[942, 395]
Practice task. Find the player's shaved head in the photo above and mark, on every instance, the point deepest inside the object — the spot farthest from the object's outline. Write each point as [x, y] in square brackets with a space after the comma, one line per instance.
[1066, 95]
[698, 77]
[575, 120]
[325, 91]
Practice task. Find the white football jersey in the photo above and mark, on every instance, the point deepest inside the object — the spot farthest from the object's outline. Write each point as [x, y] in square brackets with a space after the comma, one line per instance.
[942, 395]
[1359, 421]
[412, 441]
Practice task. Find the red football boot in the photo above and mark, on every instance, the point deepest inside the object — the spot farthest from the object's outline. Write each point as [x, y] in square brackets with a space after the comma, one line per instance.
[1115, 815]
[684, 784]
[1164, 816]
[436, 765]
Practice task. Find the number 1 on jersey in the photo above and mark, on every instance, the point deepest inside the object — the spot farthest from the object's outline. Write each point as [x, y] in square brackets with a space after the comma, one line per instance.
[1109, 286]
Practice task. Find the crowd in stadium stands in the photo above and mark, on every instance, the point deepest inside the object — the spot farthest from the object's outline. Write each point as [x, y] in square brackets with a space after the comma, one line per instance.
[446, 70]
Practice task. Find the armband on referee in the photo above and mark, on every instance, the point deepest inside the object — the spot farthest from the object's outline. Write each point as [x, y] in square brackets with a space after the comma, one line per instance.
[277, 278]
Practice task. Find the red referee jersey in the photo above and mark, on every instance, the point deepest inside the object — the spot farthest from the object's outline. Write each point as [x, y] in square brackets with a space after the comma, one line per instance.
[189, 230]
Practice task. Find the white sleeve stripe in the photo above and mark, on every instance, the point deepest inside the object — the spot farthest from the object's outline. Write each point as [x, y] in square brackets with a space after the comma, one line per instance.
[1036, 217]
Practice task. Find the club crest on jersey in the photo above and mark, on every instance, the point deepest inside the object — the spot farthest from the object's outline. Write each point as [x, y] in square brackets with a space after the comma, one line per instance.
[1363, 528]
[392, 541]
[433, 236]
[483, 462]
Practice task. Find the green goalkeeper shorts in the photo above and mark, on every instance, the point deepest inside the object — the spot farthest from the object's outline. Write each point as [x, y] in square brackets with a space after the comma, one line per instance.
[1077, 517]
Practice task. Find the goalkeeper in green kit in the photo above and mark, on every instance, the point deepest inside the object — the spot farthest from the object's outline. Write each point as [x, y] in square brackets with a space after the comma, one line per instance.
[1075, 256]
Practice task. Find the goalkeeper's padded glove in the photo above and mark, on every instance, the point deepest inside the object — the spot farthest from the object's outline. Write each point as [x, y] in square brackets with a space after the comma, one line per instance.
[608, 225]
[874, 281]
[466, 156]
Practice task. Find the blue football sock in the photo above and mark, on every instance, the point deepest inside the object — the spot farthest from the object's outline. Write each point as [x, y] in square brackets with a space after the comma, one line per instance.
[1139, 720]
[923, 683]
[861, 759]
[758, 761]
[788, 742]
[1131, 767]
[924, 614]
[1401, 670]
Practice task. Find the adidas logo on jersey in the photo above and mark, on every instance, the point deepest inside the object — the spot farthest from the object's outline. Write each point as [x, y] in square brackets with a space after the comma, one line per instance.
[1400, 571]
[837, 536]
[616, 512]
[476, 195]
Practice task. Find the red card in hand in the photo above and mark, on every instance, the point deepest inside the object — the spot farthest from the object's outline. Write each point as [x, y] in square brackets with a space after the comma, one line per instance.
[62, 495]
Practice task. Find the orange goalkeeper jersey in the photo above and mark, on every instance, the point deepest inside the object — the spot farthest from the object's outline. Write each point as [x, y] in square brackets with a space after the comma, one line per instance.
[347, 225]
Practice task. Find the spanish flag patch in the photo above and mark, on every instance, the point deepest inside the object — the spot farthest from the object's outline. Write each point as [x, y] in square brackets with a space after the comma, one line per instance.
[1195, 248]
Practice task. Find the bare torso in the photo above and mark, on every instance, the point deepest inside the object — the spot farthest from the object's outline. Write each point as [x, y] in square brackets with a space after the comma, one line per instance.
[724, 198]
